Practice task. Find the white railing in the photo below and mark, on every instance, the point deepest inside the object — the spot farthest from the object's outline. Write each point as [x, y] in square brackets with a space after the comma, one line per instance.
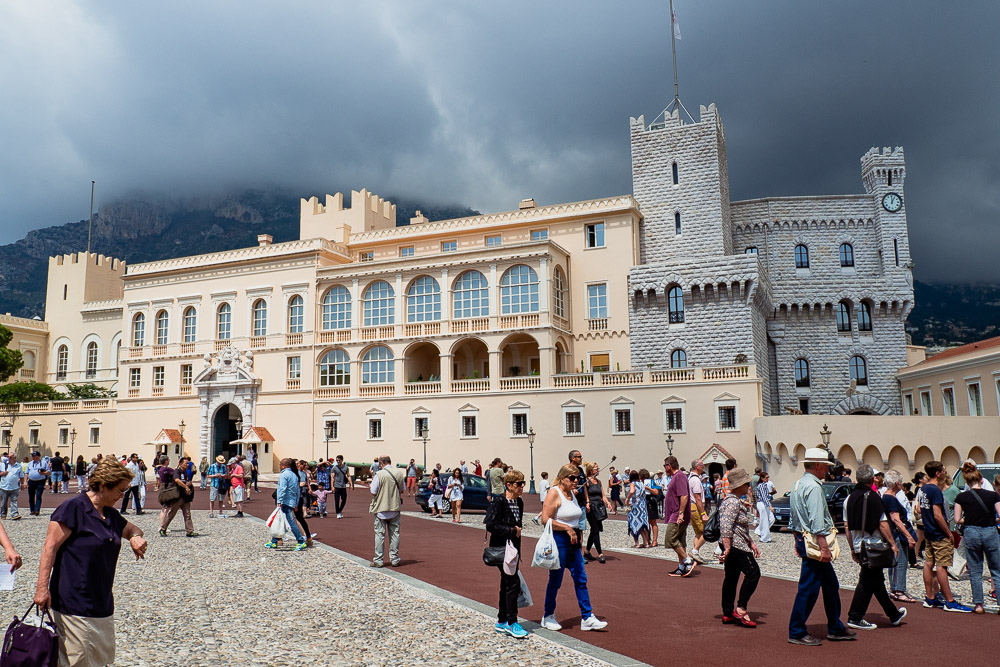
[185, 390]
[157, 391]
[672, 376]
[133, 393]
[221, 344]
[597, 324]
[518, 321]
[134, 352]
[333, 392]
[293, 339]
[383, 332]
[570, 380]
[258, 342]
[725, 372]
[187, 348]
[617, 378]
[96, 403]
[159, 350]
[520, 383]
[463, 386]
[27, 373]
[474, 324]
[416, 388]
[387, 389]
[293, 384]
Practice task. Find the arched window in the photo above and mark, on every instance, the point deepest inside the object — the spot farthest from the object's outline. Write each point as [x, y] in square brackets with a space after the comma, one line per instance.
[423, 300]
[379, 304]
[801, 257]
[337, 308]
[678, 359]
[471, 296]
[675, 304]
[334, 369]
[376, 366]
[559, 293]
[843, 316]
[801, 373]
[296, 314]
[859, 370]
[846, 254]
[519, 290]
[674, 169]
[259, 311]
[138, 330]
[864, 316]
[190, 324]
[91, 360]
[162, 327]
[750, 250]
[62, 362]
[224, 322]
[677, 222]
[29, 360]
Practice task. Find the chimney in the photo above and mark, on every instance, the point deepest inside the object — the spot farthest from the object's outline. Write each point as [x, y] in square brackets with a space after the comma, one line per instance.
[526, 203]
[419, 218]
[264, 240]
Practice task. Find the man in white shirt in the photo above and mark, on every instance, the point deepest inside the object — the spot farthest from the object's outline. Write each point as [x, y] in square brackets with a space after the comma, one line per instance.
[133, 488]
[11, 474]
[698, 514]
[465, 468]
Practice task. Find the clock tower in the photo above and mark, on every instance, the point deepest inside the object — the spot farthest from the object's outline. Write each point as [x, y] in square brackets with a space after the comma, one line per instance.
[883, 174]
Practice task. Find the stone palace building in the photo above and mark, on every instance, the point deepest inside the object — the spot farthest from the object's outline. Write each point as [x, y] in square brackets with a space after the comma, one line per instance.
[606, 325]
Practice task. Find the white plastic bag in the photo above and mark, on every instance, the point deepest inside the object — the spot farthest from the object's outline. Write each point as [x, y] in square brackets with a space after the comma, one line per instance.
[277, 524]
[510, 558]
[546, 552]
[524, 598]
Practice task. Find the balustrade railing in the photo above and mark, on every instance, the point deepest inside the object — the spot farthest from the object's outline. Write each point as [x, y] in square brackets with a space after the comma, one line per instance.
[418, 388]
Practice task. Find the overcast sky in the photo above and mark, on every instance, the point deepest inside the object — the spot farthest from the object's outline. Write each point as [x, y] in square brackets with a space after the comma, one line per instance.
[485, 103]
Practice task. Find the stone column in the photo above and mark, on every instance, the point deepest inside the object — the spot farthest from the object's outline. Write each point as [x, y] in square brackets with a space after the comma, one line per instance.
[355, 308]
[546, 364]
[445, 363]
[495, 358]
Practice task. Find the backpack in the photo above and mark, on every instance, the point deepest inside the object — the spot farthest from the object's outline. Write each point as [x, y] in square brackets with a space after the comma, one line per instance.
[713, 527]
[224, 483]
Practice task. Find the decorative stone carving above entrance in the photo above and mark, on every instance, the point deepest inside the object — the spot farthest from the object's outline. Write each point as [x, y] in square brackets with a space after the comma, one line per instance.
[226, 378]
[862, 403]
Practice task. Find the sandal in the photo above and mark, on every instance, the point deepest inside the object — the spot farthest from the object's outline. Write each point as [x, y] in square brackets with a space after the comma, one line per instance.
[903, 597]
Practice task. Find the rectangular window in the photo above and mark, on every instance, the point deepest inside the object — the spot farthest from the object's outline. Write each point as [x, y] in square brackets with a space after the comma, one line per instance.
[539, 234]
[597, 301]
[158, 376]
[468, 426]
[5, 438]
[975, 400]
[519, 424]
[187, 374]
[600, 363]
[134, 377]
[804, 406]
[727, 417]
[948, 398]
[674, 419]
[449, 246]
[331, 429]
[752, 250]
[574, 423]
[406, 252]
[420, 425]
[366, 256]
[95, 435]
[494, 241]
[63, 436]
[925, 403]
[895, 250]
[33, 437]
[294, 368]
[908, 404]
[374, 429]
[623, 421]
[594, 235]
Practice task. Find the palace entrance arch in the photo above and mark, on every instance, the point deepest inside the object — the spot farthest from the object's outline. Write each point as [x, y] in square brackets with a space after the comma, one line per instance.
[227, 390]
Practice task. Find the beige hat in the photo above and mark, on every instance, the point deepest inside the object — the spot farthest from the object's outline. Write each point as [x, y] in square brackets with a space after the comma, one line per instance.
[816, 455]
[738, 477]
[220, 459]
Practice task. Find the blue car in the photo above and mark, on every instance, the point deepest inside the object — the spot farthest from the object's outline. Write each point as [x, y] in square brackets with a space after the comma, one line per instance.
[474, 494]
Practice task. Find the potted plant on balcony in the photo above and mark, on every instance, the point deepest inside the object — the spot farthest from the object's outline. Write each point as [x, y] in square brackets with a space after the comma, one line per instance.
[515, 370]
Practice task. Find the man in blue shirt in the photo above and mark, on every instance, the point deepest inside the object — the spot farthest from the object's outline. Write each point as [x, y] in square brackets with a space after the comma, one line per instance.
[11, 474]
[38, 473]
[940, 539]
[287, 497]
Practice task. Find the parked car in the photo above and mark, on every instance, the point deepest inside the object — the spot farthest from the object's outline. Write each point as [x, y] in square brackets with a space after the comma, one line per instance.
[836, 494]
[989, 472]
[474, 493]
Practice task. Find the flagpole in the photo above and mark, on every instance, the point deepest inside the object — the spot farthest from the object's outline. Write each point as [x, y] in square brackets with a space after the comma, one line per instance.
[673, 51]
[90, 226]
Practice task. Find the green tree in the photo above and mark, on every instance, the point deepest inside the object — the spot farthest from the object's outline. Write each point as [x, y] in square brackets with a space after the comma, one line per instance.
[27, 392]
[10, 360]
[89, 390]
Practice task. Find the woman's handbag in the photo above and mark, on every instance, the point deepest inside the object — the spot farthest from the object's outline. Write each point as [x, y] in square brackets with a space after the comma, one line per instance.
[598, 510]
[170, 493]
[653, 507]
[493, 556]
[813, 551]
[28, 645]
[546, 552]
[875, 553]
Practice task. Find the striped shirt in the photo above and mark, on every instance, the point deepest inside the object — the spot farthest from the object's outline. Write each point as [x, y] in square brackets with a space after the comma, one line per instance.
[515, 510]
[763, 493]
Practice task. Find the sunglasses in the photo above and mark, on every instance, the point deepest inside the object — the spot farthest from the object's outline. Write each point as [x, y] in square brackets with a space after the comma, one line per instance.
[518, 483]
[573, 478]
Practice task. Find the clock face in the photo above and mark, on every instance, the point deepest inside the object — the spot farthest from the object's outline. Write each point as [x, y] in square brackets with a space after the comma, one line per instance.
[892, 202]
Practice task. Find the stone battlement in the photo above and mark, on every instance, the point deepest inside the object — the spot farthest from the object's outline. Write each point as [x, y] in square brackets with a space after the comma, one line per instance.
[367, 212]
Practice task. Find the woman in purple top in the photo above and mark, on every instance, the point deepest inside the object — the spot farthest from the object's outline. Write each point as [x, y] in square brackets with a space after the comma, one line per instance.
[77, 568]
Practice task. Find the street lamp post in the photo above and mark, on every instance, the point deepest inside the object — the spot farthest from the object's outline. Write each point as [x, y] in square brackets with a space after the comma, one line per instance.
[423, 435]
[72, 442]
[181, 427]
[531, 450]
[670, 444]
[328, 432]
[825, 434]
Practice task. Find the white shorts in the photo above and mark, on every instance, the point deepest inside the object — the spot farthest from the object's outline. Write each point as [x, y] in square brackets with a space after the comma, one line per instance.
[435, 500]
[238, 494]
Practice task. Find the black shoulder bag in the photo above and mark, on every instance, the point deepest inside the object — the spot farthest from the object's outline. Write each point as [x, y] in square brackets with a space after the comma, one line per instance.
[493, 556]
[875, 552]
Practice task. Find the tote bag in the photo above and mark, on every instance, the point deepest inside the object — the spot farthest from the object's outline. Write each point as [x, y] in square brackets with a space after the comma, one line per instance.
[546, 552]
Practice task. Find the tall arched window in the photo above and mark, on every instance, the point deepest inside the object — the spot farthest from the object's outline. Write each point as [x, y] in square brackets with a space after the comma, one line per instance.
[138, 330]
[162, 327]
[678, 359]
[519, 290]
[801, 373]
[379, 304]
[91, 360]
[334, 369]
[62, 362]
[801, 257]
[859, 370]
[846, 254]
[296, 314]
[675, 304]
[559, 293]
[423, 300]
[843, 316]
[377, 366]
[677, 222]
[337, 308]
[259, 311]
[864, 316]
[675, 174]
[224, 322]
[471, 296]
[190, 324]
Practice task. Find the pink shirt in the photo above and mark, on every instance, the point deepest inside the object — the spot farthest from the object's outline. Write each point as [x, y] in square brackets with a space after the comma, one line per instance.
[237, 478]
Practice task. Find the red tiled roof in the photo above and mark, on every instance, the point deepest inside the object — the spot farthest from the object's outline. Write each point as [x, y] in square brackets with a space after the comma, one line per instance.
[173, 434]
[964, 349]
[262, 433]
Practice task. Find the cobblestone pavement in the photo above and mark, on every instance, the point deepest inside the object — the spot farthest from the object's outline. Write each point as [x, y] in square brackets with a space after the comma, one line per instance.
[222, 599]
[777, 557]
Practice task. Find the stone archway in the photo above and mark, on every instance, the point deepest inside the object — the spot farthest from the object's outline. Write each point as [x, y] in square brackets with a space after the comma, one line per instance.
[226, 379]
[862, 403]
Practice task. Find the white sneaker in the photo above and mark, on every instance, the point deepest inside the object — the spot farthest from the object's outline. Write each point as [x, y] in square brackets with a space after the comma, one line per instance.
[340, 516]
[592, 623]
[549, 623]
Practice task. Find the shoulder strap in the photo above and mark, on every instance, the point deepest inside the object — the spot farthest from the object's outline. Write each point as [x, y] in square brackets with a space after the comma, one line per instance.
[864, 511]
[980, 500]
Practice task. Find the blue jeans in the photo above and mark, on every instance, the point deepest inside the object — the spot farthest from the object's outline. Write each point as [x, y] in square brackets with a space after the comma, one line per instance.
[35, 490]
[571, 558]
[813, 577]
[980, 542]
[897, 575]
[289, 513]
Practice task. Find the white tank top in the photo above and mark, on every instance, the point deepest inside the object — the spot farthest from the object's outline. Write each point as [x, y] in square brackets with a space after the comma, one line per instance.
[569, 511]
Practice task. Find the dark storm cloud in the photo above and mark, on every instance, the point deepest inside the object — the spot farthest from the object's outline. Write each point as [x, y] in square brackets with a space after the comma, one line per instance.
[487, 103]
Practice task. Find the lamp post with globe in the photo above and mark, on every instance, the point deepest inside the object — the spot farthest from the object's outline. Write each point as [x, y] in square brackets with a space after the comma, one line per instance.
[531, 450]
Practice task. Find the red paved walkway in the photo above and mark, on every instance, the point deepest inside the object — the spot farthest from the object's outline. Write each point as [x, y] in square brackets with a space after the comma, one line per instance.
[652, 617]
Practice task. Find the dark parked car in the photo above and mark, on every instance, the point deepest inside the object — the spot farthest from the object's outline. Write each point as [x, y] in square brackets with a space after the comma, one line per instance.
[473, 493]
[836, 494]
